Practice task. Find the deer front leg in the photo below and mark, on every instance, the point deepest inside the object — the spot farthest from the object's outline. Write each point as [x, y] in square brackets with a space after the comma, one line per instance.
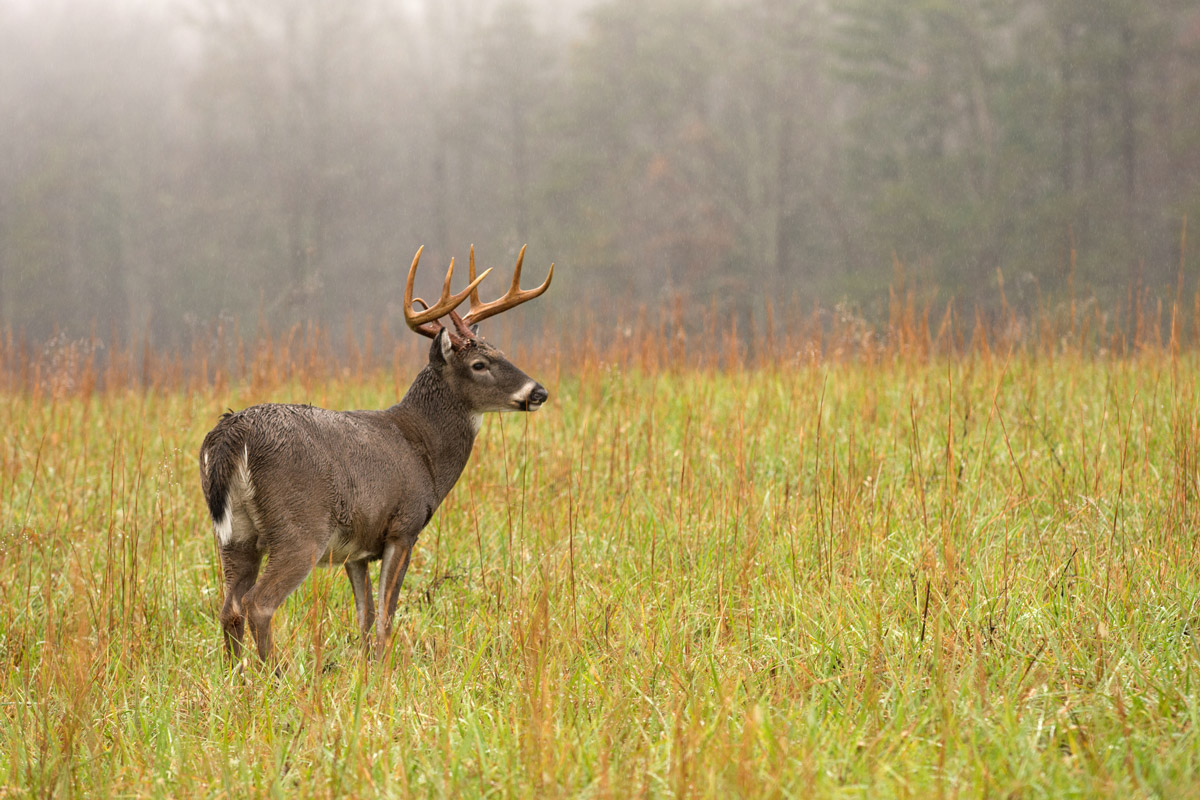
[364, 603]
[397, 552]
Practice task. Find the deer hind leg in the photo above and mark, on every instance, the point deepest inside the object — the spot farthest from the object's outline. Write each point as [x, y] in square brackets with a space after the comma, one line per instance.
[288, 563]
[240, 561]
[364, 604]
[397, 553]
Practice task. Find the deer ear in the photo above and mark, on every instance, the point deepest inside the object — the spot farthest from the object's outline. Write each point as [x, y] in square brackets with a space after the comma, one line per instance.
[474, 330]
[442, 347]
[446, 344]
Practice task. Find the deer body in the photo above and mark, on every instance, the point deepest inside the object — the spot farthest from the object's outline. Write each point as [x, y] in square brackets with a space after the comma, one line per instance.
[307, 486]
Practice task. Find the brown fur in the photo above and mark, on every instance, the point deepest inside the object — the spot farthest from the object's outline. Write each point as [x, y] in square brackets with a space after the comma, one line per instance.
[306, 486]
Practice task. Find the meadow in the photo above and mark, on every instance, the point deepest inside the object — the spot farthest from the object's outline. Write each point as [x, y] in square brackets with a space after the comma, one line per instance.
[855, 565]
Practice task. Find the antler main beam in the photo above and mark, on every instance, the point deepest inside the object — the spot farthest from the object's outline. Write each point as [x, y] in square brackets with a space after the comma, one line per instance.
[425, 321]
[513, 297]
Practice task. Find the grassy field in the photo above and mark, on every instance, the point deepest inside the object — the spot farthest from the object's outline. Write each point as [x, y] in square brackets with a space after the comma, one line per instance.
[865, 577]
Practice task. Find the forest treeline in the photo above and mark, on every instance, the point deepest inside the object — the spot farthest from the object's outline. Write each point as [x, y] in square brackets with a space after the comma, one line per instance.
[165, 165]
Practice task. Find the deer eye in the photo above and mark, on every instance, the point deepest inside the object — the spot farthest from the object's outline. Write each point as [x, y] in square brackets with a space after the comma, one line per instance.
[479, 366]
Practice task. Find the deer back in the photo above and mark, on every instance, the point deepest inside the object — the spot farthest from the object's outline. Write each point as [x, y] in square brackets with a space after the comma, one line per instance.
[299, 468]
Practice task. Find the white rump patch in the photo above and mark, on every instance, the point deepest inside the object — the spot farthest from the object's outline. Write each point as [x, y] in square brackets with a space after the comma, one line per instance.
[243, 475]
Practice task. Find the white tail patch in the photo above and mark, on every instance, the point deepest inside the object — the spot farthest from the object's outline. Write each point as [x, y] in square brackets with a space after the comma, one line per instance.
[243, 488]
[223, 527]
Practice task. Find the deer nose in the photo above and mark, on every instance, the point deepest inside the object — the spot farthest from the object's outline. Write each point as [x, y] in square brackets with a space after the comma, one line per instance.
[538, 396]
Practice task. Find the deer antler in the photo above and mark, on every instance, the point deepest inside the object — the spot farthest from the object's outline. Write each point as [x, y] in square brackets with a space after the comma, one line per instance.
[425, 322]
[513, 297]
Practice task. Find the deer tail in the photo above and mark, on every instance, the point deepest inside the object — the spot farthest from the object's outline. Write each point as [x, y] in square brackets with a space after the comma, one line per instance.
[223, 458]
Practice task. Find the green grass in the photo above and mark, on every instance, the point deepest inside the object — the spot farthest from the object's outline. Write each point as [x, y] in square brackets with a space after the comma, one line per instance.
[899, 579]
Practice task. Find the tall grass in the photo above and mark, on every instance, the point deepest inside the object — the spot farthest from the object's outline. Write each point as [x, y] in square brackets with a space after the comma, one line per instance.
[949, 556]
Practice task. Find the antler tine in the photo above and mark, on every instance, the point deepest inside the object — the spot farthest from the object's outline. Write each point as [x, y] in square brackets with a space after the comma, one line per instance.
[471, 276]
[425, 321]
[516, 281]
[513, 297]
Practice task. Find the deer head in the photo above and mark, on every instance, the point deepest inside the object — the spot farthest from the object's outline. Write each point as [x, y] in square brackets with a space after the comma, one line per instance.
[478, 372]
[313, 486]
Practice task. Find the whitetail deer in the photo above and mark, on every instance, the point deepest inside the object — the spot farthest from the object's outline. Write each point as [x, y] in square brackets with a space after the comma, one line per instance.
[307, 486]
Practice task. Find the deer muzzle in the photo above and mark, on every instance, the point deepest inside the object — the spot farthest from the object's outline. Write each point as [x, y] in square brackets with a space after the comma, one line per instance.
[531, 397]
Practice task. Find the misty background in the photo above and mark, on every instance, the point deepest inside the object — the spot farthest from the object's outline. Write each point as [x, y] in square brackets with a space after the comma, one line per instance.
[166, 164]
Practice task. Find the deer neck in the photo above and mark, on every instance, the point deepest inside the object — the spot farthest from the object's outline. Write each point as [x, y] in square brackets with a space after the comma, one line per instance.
[440, 425]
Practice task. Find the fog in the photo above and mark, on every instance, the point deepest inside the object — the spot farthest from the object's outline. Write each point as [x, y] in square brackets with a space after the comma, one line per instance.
[168, 164]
